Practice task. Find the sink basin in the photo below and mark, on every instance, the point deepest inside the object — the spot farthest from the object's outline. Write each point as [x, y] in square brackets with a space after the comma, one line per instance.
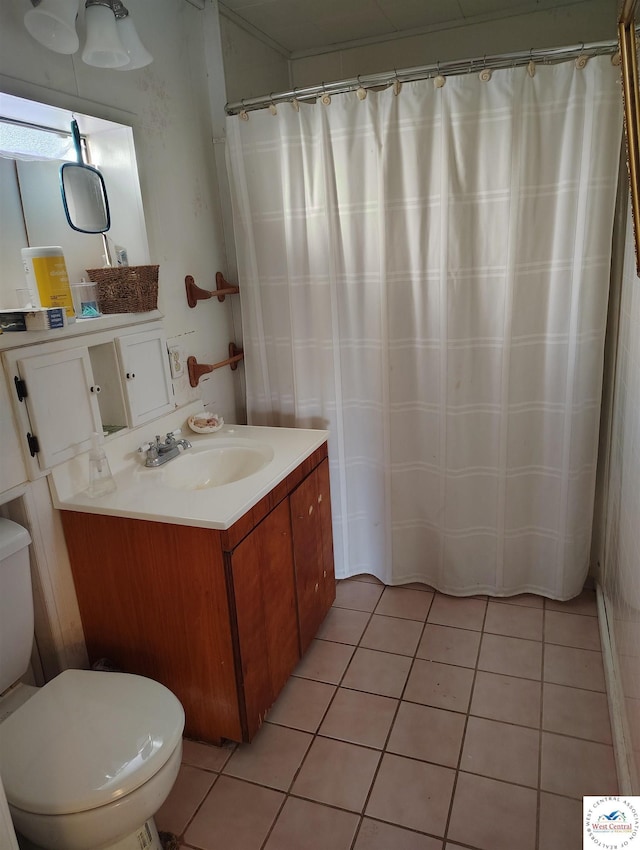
[215, 467]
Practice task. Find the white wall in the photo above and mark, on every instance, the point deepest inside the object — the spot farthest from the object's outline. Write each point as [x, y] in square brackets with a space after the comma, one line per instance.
[252, 68]
[168, 104]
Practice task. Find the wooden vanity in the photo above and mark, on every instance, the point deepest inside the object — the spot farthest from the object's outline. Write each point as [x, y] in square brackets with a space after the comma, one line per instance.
[221, 617]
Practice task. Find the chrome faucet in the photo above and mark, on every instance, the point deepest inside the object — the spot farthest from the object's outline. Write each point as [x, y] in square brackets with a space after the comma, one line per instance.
[162, 451]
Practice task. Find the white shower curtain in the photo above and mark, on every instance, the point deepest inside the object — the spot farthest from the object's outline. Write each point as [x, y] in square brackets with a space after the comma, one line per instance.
[426, 275]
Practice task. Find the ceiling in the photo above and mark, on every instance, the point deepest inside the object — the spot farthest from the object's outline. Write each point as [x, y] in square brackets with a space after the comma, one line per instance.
[301, 26]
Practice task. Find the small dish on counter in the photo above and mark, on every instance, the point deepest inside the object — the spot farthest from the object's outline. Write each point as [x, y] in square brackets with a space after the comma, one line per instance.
[205, 422]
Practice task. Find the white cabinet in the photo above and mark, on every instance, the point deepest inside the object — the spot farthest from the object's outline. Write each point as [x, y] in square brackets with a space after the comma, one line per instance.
[146, 379]
[62, 403]
[64, 391]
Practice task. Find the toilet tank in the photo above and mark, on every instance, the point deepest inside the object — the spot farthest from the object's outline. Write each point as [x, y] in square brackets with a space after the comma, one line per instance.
[16, 603]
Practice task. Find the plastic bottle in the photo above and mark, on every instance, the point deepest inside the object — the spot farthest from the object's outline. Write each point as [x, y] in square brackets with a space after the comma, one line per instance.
[47, 278]
[101, 480]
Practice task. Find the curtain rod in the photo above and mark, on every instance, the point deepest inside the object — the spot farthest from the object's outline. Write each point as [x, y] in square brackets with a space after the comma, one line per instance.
[421, 72]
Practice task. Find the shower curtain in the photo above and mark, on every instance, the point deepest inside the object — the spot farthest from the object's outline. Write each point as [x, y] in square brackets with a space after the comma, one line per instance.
[425, 273]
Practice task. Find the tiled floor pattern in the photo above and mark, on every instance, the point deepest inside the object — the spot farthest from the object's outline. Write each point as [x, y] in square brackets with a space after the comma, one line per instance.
[416, 721]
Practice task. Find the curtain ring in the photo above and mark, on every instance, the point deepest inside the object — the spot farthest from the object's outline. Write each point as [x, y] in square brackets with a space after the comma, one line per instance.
[397, 85]
[244, 115]
[485, 74]
[582, 59]
[273, 109]
[531, 67]
[360, 91]
[439, 80]
[326, 98]
[295, 103]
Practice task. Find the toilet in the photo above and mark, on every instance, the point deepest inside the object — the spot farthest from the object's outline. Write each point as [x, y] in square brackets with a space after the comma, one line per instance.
[88, 759]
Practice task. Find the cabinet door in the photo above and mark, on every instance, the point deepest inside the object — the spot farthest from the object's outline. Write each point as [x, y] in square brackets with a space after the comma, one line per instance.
[262, 586]
[62, 403]
[313, 551]
[12, 468]
[145, 374]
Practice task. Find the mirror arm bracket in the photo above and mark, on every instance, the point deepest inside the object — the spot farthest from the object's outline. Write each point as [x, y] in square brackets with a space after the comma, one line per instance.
[195, 293]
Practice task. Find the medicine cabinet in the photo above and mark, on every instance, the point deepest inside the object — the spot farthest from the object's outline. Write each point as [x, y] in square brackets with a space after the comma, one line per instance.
[64, 391]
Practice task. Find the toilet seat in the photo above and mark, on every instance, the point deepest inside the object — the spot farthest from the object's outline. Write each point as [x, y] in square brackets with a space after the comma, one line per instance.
[86, 739]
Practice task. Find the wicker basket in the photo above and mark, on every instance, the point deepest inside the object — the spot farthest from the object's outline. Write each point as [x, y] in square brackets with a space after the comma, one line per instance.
[126, 289]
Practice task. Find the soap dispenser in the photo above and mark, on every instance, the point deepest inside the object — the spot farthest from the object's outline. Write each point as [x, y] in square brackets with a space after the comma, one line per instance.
[101, 480]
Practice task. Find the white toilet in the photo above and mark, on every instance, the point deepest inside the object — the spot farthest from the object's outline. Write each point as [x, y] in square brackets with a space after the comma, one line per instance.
[88, 759]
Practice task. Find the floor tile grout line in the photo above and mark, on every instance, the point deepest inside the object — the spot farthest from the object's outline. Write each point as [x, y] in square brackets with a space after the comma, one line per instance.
[197, 809]
[316, 734]
[383, 752]
[393, 720]
[541, 714]
[464, 730]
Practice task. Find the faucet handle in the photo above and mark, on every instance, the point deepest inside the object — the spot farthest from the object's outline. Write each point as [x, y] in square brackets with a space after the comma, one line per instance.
[144, 447]
[172, 434]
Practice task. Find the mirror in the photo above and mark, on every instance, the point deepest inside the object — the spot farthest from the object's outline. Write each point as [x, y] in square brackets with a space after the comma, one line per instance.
[631, 92]
[31, 211]
[84, 196]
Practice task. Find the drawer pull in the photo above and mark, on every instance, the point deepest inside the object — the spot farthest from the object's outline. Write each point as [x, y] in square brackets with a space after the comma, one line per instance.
[310, 509]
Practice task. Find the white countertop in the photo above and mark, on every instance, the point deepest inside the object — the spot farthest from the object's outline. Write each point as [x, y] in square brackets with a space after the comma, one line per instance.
[143, 494]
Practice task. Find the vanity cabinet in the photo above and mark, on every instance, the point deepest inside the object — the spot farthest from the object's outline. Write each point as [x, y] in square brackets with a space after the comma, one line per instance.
[219, 617]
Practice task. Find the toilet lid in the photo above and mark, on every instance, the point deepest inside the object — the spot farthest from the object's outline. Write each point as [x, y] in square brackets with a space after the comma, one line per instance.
[85, 739]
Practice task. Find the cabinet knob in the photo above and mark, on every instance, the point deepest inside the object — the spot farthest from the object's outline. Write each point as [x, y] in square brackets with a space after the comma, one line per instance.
[319, 498]
[130, 376]
[310, 509]
[95, 389]
[316, 587]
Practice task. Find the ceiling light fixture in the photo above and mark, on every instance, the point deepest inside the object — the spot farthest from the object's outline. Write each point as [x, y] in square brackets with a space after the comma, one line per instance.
[112, 40]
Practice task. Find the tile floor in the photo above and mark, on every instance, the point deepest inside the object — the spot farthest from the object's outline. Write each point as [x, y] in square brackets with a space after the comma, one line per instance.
[416, 721]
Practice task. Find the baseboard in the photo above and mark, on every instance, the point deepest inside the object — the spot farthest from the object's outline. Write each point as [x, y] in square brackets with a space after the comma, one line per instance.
[623, 753]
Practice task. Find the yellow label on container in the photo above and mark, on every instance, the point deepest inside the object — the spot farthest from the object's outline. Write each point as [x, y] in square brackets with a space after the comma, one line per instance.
[53, 283]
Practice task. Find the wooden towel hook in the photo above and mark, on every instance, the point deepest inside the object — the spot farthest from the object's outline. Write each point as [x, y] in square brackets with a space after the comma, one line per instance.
[195, 293]
[197, 370]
